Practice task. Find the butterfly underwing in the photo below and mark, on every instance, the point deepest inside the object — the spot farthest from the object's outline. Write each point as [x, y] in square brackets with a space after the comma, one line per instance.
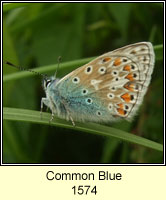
[109, 88]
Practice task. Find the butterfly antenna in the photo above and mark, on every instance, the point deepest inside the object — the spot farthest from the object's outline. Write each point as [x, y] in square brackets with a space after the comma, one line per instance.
[24, 69]
[59, 60]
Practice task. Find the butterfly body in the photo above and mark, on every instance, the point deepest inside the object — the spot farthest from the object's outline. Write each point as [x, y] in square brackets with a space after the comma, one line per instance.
[108, 88]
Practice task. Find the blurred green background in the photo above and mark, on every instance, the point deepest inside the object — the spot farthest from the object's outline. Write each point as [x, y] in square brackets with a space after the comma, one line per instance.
[34, 35]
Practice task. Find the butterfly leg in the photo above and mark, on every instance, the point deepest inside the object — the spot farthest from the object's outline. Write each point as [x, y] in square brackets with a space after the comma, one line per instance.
[52, 117]
[41, 108]
[46, 102]
[71, 120]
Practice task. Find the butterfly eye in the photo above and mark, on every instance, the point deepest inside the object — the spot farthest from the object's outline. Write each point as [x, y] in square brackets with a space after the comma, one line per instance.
[48, 83]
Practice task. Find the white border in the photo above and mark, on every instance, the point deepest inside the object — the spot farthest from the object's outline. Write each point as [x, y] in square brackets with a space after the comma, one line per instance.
[2, 79]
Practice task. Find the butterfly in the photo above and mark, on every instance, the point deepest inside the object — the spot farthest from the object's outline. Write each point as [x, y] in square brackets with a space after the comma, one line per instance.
[109, 88]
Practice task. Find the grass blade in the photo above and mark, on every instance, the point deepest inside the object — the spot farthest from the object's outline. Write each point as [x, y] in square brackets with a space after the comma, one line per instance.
[34, 117]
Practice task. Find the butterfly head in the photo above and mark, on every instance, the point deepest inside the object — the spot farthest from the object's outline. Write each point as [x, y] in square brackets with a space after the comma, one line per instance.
[48, 82]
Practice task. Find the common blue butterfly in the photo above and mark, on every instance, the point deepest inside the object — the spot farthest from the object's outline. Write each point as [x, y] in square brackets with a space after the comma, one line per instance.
[108, 88]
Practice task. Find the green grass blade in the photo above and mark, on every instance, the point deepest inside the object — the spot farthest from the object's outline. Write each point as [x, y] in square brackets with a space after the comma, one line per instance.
[34, 117]
[159, 52]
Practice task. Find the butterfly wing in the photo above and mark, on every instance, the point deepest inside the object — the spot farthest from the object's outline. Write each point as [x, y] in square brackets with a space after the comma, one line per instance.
[111, 86]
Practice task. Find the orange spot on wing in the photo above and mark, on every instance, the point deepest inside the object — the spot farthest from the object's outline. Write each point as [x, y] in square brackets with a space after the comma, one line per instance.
[121, 111]
[106, 59]
[130, 77]
[129, 87]
[117, 61]
[126, 97]
[120, 105]
[127, 68]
